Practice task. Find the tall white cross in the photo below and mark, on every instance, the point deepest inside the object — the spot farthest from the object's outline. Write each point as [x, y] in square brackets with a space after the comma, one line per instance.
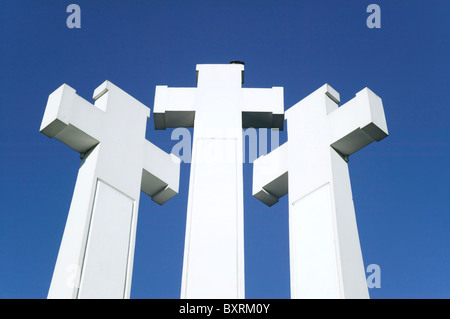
[219, 108]
[325, 253]
[95, 259]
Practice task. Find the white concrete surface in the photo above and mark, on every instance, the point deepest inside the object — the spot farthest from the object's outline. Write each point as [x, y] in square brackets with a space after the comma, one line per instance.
[95, 259]
[218, 109]
[325, 253]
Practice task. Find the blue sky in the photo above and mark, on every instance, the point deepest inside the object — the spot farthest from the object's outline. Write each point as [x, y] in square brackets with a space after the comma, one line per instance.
[400, 185]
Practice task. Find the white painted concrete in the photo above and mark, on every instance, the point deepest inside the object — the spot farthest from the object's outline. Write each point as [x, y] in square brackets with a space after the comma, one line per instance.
[95, 259]
[218, 108]
[325, 254]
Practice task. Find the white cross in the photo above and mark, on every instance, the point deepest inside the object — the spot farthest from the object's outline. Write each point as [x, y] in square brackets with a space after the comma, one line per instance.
[95, 259]
[325, 253]
[219, 108]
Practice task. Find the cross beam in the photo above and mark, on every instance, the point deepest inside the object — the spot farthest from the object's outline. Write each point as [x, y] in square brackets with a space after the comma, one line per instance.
[218, 109]
[95, 259]
[325, 253]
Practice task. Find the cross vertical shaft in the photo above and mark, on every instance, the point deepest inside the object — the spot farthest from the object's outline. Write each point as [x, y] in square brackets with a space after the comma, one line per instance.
[214, 250]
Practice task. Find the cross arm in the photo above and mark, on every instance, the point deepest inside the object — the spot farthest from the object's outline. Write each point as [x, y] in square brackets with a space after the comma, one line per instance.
[174, 107]
[71, 119]
[270, 175]
[161, 173]
[263, 108]
[357, 123]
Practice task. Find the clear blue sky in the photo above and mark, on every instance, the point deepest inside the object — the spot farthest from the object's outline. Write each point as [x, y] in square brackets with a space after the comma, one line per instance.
[401, 186]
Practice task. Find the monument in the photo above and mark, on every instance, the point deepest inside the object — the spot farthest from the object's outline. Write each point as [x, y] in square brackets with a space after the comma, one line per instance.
[95, 259]
[325, 253]
[218, 109]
